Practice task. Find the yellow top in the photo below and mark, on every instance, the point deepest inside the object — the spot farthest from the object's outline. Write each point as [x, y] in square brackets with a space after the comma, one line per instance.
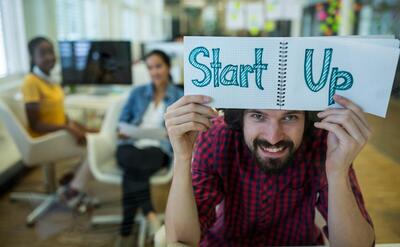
[50, 98]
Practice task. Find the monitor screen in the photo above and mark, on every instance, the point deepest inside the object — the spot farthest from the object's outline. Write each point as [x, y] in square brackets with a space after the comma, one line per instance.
[96, 62]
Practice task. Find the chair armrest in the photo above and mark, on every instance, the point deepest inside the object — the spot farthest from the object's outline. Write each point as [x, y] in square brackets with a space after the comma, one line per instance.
[52, 147]
[100, 147]
[101, 153]
[162, 176]
[160, 239]
[110, 123]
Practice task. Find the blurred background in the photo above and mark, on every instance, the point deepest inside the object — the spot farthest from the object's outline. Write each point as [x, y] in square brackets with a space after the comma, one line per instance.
[139, 26]
[147, 21]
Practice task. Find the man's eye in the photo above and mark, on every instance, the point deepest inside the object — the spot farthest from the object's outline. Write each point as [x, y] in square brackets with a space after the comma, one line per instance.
[290, 118]
[257, 116]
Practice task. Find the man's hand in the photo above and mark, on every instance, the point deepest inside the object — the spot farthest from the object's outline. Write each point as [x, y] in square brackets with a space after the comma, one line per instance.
[348, 130]
[184, 119]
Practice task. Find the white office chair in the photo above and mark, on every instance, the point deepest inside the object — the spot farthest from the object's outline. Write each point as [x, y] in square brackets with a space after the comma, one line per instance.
[43, 151]
[101, 149]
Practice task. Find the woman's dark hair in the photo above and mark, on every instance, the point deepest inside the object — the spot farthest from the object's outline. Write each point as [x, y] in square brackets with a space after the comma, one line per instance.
[234, 120]
[164, 57]
[32, 45]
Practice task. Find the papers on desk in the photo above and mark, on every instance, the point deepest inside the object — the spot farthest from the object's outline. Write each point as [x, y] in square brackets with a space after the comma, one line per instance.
[142, 133]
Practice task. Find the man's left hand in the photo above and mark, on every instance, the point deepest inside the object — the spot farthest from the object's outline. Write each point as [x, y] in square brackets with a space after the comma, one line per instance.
[349, 131]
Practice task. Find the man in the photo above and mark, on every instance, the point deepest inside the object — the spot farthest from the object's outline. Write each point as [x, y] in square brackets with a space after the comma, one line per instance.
[257, 176]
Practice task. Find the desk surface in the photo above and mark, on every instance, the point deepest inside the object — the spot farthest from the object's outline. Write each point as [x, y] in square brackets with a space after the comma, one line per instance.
[97, 102]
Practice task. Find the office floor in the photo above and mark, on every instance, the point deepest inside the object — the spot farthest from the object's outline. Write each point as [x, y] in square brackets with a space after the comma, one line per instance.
[377, 168]
[61, 227]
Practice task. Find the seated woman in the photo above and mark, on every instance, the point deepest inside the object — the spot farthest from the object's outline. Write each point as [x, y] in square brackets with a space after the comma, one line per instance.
[139, 159]
[44, 103]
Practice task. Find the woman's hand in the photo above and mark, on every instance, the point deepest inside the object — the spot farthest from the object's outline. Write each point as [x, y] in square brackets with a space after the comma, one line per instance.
[349, 131]
[77, 132]
[184, 119]
[122, 136]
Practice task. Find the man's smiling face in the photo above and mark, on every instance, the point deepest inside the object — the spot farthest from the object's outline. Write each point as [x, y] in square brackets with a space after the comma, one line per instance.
[273, 136]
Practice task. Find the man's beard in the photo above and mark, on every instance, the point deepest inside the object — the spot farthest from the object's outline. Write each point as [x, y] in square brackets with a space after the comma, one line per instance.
[273, 166]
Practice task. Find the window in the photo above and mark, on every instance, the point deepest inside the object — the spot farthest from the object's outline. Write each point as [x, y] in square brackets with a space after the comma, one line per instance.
[136, 20]
[81, 19]
[69, 19]
[13, 52]
[145, 20]
[3, 64]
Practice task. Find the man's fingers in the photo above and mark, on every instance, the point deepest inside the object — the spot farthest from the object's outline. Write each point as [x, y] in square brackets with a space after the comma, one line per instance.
[191, 107]
[339, 111]
[188, 117]
[348, 124]
[346, 103]
[365, 130]
[189, 114]
[181, 129]
[348, 114]
[340, 133]
[187, 99]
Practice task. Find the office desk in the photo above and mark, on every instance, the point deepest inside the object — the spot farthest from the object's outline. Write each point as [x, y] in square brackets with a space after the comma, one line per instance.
[90, 109]
[89, 101]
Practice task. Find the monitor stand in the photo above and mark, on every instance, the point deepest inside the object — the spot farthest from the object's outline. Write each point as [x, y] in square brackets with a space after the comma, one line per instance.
[101, 90]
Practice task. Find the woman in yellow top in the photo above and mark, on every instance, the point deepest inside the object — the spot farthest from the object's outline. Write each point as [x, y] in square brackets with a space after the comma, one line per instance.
[44, 103]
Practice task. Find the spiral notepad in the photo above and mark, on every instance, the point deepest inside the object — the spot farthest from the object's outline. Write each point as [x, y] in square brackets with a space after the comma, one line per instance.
[282, 68]
[291, 73]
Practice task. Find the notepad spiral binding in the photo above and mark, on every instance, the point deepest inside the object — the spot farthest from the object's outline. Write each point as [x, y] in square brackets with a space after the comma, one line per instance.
[282, 67]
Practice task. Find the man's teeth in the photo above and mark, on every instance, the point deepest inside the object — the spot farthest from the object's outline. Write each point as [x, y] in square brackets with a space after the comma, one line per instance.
[274, 149]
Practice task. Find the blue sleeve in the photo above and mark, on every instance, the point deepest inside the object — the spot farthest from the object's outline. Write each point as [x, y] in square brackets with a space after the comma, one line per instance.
[127, 113]
[180, 93]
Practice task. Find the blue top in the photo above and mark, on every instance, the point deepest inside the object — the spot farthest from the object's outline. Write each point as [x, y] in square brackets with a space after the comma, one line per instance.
[138, 101]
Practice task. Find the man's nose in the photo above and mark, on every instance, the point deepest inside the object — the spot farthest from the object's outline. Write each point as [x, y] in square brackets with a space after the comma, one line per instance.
[273, 132]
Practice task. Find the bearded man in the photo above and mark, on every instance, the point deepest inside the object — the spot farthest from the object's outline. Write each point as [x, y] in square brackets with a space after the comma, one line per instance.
[255, 177]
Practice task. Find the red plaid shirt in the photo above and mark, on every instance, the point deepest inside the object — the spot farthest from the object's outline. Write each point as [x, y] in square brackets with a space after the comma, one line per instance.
[239, 205]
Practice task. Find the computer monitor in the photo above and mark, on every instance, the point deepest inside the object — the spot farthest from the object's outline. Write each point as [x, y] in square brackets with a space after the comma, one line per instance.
[96, 62]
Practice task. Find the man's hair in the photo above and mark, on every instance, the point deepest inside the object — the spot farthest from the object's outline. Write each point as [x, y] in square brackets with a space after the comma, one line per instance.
[234, 120]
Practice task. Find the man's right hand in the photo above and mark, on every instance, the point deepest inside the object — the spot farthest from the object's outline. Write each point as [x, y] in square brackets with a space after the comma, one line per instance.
[184, 119]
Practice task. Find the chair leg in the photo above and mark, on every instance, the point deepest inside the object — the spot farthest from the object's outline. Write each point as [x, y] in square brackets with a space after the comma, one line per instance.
[106, 220]
[142, 232]
[26, 196]
[49, 175]
[41, 209]
[47, 200]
